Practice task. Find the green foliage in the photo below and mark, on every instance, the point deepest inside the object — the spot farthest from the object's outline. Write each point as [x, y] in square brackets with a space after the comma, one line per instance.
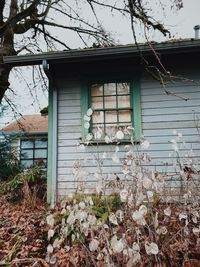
[33, 178]
[44, 111]
[103, 205]
[9, 164]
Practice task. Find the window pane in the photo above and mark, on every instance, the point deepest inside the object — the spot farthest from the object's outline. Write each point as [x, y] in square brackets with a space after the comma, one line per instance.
[124, 101]
[40, 153]
[27, 163]
[98, 131]
[39, 143]
[26, 144]
[96, 90]
[111, 116]
[123, 125]
[124, 116]
[97, 102]
[98, 117]
[27, 154]
[111, 129]
[123, 88]
[109, 89]
[110, 101]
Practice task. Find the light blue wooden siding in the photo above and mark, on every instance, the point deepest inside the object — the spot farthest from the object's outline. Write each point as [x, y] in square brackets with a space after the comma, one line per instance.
[161, 114]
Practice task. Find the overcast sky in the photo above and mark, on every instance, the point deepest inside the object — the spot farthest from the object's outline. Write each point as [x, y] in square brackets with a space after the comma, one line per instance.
[180, 23]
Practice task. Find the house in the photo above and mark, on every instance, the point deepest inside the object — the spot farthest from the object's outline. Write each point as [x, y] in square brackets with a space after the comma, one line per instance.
[29, 136]
[111, 86]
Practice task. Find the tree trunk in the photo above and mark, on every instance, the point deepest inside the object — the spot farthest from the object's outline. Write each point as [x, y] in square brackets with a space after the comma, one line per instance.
[4, 77]
[4, 70]
[6, 49]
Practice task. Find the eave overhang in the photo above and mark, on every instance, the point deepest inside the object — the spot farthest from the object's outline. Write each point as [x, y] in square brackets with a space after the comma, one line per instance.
[95, 54]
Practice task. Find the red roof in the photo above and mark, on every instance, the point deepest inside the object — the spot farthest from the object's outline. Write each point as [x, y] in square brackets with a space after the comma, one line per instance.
[29, 124]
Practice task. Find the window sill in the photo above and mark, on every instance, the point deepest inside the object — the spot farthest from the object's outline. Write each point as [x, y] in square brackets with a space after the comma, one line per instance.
[102, 142]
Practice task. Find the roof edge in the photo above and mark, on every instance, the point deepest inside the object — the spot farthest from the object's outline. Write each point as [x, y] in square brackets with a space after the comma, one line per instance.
[97, 53]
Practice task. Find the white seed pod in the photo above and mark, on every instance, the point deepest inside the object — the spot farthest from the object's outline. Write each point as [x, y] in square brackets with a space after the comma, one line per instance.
[86, 125]
[49, 248]
[145, 145]
[93, 245]
[113, 219]
[151, 248]
[50, 233]
[89, 112]
[50, 220]
[86, 118]
[167, 211]
[89, 137]
[119, 135]
[147, 183]
[123, 195]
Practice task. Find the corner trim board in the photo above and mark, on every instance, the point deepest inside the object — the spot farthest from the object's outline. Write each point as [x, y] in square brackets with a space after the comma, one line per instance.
[52, 138]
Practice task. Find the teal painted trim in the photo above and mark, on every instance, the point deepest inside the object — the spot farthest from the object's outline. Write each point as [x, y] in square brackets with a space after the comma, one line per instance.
[50, 150]
[54, 148]
[136, 101]
[84, 107]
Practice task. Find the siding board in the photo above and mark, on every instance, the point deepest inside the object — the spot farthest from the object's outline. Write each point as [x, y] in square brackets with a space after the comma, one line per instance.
[161, 114]
[179, 90]
[158, 97]
[169, 118]
[170, 103]
[171, 111]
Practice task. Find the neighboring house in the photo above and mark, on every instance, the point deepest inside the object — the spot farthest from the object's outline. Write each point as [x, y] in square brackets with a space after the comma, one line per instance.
[113, 81]
[29, 137]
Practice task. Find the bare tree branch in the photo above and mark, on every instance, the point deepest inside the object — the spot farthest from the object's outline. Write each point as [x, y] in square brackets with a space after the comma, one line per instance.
[53, 38]
[2, 5]
[33, 20]
[13, 20]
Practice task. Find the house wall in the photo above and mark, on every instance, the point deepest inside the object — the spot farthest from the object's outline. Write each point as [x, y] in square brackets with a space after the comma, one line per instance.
[15, 143]
[161, 115]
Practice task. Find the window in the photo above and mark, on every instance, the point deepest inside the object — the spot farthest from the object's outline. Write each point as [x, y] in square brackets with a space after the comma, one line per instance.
[33, 151]
[115, 106]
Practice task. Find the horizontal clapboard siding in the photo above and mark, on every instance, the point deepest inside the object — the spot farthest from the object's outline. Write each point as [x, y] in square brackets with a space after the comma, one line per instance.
[161, 115]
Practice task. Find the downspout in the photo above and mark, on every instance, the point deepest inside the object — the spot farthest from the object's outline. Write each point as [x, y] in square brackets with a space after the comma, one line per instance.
[52, 137]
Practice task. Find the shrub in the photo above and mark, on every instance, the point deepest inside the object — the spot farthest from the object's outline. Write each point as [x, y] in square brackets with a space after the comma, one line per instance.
[97, 230]
[29, 185]
[9, 164]
[151, 219]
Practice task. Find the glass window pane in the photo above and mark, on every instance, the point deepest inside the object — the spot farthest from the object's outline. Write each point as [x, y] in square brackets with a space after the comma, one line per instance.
[26, 153]
[39, 143]
[110, 101]
[40, 153]
[98, 117]
[97, 102]
[98, 131]
[97, 90]
[124, 116]
[27, 163]
[111, 116]
[124, 101]
[111, 129]
[123, 88]
[26, 143]
[109, 89]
